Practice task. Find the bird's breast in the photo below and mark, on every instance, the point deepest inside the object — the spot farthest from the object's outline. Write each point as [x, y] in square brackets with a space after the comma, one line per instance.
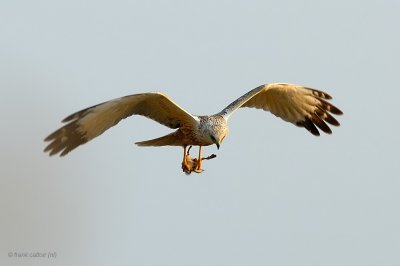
[194, 136]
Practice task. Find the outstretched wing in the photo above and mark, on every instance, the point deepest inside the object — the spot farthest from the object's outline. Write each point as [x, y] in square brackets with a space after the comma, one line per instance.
[89, 123]
[302, 106]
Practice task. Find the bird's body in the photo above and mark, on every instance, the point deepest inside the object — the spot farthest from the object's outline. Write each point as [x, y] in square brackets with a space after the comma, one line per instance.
[304, 107]
[197, 135]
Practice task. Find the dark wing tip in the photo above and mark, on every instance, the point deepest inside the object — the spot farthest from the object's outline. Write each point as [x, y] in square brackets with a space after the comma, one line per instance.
[324, 105]
[334, 110]
[323, 114]
[320, 124]
[319, 93]
[338, 111]
[309, 125]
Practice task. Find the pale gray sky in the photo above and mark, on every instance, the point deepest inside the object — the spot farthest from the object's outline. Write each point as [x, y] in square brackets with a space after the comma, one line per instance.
[275, 195]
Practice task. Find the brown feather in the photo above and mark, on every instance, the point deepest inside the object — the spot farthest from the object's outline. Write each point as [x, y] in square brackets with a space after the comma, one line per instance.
[309, 125]
[319, 93]
[65, 139]
[329, 107]
[320, 124]
[326, 116]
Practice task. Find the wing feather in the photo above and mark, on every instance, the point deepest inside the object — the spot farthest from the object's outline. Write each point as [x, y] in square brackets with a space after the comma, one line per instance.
[89, 123]
[303, 106]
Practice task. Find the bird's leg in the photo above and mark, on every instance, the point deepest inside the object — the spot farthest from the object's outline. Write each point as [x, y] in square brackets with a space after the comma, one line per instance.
[185, 166]
[199, 161]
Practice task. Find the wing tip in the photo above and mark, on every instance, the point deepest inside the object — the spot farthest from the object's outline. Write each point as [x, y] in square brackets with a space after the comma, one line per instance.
[309, 125]
[65, 139]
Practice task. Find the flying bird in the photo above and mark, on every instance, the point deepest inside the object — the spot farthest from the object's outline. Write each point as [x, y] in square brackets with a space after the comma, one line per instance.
[301, 106]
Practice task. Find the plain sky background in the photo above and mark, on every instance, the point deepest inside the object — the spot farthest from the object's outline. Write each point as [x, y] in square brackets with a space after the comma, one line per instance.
[275, 195]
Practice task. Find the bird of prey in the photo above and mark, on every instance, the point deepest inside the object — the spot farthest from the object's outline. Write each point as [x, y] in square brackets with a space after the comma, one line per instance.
[301, 106]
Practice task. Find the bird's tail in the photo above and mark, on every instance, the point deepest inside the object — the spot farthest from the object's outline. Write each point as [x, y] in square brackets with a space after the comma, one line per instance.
[171, 139]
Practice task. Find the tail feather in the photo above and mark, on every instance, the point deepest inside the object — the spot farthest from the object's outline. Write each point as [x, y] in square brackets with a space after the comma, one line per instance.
[171, 139]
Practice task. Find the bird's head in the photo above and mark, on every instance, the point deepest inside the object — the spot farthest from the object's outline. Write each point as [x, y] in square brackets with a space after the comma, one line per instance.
[218, 131]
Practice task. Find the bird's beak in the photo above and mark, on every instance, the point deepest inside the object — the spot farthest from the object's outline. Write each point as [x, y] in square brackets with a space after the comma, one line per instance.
[217, 145]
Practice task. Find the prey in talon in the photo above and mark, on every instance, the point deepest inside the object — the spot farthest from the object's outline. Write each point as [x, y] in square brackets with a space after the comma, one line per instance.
[190, 164]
